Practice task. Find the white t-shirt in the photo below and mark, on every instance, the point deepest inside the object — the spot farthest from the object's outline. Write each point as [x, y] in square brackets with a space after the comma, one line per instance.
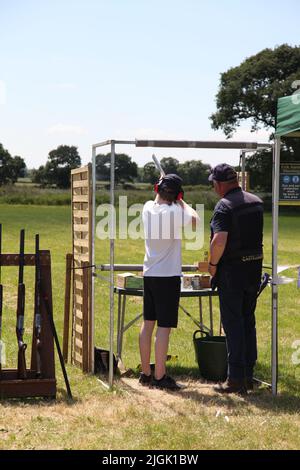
[163, 232]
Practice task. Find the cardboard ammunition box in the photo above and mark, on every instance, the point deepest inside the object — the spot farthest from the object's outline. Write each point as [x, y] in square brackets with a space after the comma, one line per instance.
[187, 281]
[203, 266]
[191, 281]
[129, 281]
[205, 281]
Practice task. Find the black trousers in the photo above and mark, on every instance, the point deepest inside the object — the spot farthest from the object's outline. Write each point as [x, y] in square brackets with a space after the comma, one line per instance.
[237, 287]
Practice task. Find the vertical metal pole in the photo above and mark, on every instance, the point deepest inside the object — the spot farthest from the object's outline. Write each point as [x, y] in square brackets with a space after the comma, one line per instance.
[93, 251]
[243, 170]
[111, 261]
[275, 211]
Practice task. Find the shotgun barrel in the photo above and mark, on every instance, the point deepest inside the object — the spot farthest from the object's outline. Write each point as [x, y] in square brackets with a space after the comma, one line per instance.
[37, 307]
[158, 166]
[22, 373]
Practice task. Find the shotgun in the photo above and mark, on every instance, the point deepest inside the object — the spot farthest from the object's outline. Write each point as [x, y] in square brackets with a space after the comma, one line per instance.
[22, 374]
[158, 166]
[37, 306]
[1, 302]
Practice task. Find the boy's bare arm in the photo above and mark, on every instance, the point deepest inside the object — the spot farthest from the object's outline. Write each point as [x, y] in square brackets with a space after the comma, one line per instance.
[190, 211]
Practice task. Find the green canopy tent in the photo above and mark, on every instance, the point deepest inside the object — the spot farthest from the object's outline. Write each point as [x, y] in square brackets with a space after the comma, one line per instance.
[288, 125]
[288, 116]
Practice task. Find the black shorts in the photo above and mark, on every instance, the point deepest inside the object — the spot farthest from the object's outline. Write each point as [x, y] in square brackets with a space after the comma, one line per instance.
[161, 300]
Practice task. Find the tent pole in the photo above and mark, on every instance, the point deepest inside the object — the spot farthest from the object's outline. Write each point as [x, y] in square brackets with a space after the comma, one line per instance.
[111, 261]
[243, 154]
[275, 209]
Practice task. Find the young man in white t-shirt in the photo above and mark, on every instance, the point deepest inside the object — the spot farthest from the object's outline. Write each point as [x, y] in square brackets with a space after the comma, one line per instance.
[163, 220]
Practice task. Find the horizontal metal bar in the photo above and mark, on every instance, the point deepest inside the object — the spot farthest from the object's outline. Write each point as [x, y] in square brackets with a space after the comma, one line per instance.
[226, 144]
[101, 144]
[259, 147]
[197, 144]
[103, 278]
[139, 267]
[108, 142]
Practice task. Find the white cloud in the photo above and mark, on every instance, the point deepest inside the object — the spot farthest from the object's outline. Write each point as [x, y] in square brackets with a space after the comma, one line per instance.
[2, 92]
[66, 129]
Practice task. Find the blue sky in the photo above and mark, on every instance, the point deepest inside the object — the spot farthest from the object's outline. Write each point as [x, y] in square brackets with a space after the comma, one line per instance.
[81, 71]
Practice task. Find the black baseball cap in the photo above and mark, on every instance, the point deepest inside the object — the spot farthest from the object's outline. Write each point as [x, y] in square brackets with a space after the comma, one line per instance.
[171, 182]
[223, 173]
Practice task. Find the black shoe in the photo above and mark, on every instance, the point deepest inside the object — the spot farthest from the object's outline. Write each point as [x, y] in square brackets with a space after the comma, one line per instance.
[144, 379]
[232, 386]
[165, 383]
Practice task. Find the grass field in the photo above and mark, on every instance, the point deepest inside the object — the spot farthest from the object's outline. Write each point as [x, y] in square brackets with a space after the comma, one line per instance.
[134, 418]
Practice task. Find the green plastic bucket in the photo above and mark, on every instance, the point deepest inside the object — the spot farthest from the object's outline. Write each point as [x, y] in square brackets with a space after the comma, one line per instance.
[211, 356]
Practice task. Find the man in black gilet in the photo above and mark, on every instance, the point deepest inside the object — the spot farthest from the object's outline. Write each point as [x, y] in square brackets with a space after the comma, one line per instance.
[236, 253]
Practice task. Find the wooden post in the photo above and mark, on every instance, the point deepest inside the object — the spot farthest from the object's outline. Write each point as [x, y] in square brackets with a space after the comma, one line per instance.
[69, 259]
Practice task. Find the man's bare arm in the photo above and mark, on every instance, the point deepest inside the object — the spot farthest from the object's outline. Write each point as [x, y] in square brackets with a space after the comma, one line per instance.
[217, 246]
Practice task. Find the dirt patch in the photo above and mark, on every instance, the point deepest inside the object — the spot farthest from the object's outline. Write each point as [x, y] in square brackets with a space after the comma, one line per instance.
[169, 403]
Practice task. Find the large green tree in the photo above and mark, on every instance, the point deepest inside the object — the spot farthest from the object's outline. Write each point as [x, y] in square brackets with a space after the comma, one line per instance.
[194, 172]
[11, 168]
[169, 164]
[57, 171]
[250, 92]
[125, 168]
[150, 173]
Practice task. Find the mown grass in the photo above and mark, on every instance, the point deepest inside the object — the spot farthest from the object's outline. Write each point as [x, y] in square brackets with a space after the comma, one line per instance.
[126, 419]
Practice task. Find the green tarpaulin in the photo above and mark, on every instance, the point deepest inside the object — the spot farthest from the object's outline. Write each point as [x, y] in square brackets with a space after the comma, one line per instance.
[288, 116]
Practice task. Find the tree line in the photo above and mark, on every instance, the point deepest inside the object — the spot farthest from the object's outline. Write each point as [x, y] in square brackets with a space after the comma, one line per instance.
[60, 162]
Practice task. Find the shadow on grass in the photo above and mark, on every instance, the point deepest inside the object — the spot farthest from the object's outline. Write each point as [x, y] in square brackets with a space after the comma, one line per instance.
[47, 401]
[287, 400]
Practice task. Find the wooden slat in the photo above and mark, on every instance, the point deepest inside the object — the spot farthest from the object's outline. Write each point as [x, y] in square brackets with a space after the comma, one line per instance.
[78, 358]
[80, 257]
[80, 206]
[82, 170]
[84, 250]
[78, 285]
[78, 242]
[81, 183]
[78, 328]
[78, 314]
[80, 191]
[78, 343]
[78, 299]
[78, 213]
[80, 198]
[78, 275]
[82, 227]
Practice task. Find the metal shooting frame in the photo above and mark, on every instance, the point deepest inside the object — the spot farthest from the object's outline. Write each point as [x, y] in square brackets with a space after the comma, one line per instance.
[244, 147]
